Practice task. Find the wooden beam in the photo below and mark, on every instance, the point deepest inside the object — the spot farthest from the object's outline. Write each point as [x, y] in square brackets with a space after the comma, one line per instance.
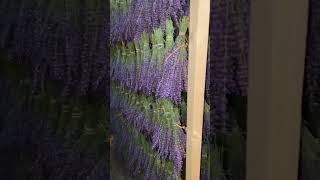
[198, 45]
[277, 53]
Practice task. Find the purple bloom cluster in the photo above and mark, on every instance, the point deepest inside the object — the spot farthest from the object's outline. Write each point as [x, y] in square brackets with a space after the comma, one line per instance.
[58, 156]
[142, 159]
[229, 35]
[150, 70]
[149, 73]
[52, 37]
[129, 21]
[168, 140]
[171, 84]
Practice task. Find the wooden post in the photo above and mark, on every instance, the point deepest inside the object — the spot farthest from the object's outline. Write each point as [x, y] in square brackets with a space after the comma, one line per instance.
[198, 43]
[277, 53]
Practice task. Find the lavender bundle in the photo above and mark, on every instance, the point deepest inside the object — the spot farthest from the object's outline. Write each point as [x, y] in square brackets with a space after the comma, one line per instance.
[149, 74]
[51, 36]
[63, 42]
[151, 69]
[228, 58]
[171, 84]
[161, 123]
[169, 137]
[133, 17]
[27, 125]
[144, 80]
[141, 157]
[157, 57]
[145, 72]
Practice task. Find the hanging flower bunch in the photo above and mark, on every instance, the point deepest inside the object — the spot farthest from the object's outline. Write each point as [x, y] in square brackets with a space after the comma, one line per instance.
[130, 18]
[312, 73]
[143, 161]
[226, 79]
[61, 40]
[36, 127]
[229, 37]
[60, 47]
[149, 61]
[158, 69]
[157, 120]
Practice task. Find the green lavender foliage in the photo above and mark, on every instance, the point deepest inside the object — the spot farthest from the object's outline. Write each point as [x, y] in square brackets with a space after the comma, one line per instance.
[169, 36]
[235, 147]
[216, 162]
[310, 155]
[64, 116]
[310, 146]
[141, 141]
[141, 61]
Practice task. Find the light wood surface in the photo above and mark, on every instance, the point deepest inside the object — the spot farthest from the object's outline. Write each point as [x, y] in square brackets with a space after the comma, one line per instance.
[198, 43]
[277, 53]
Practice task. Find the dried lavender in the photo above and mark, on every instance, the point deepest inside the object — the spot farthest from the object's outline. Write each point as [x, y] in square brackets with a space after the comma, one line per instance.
[228, 58]
[149, 73]
[173, 76]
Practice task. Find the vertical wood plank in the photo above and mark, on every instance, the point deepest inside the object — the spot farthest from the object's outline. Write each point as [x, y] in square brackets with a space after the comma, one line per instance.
[277, 53]
[198, 43]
